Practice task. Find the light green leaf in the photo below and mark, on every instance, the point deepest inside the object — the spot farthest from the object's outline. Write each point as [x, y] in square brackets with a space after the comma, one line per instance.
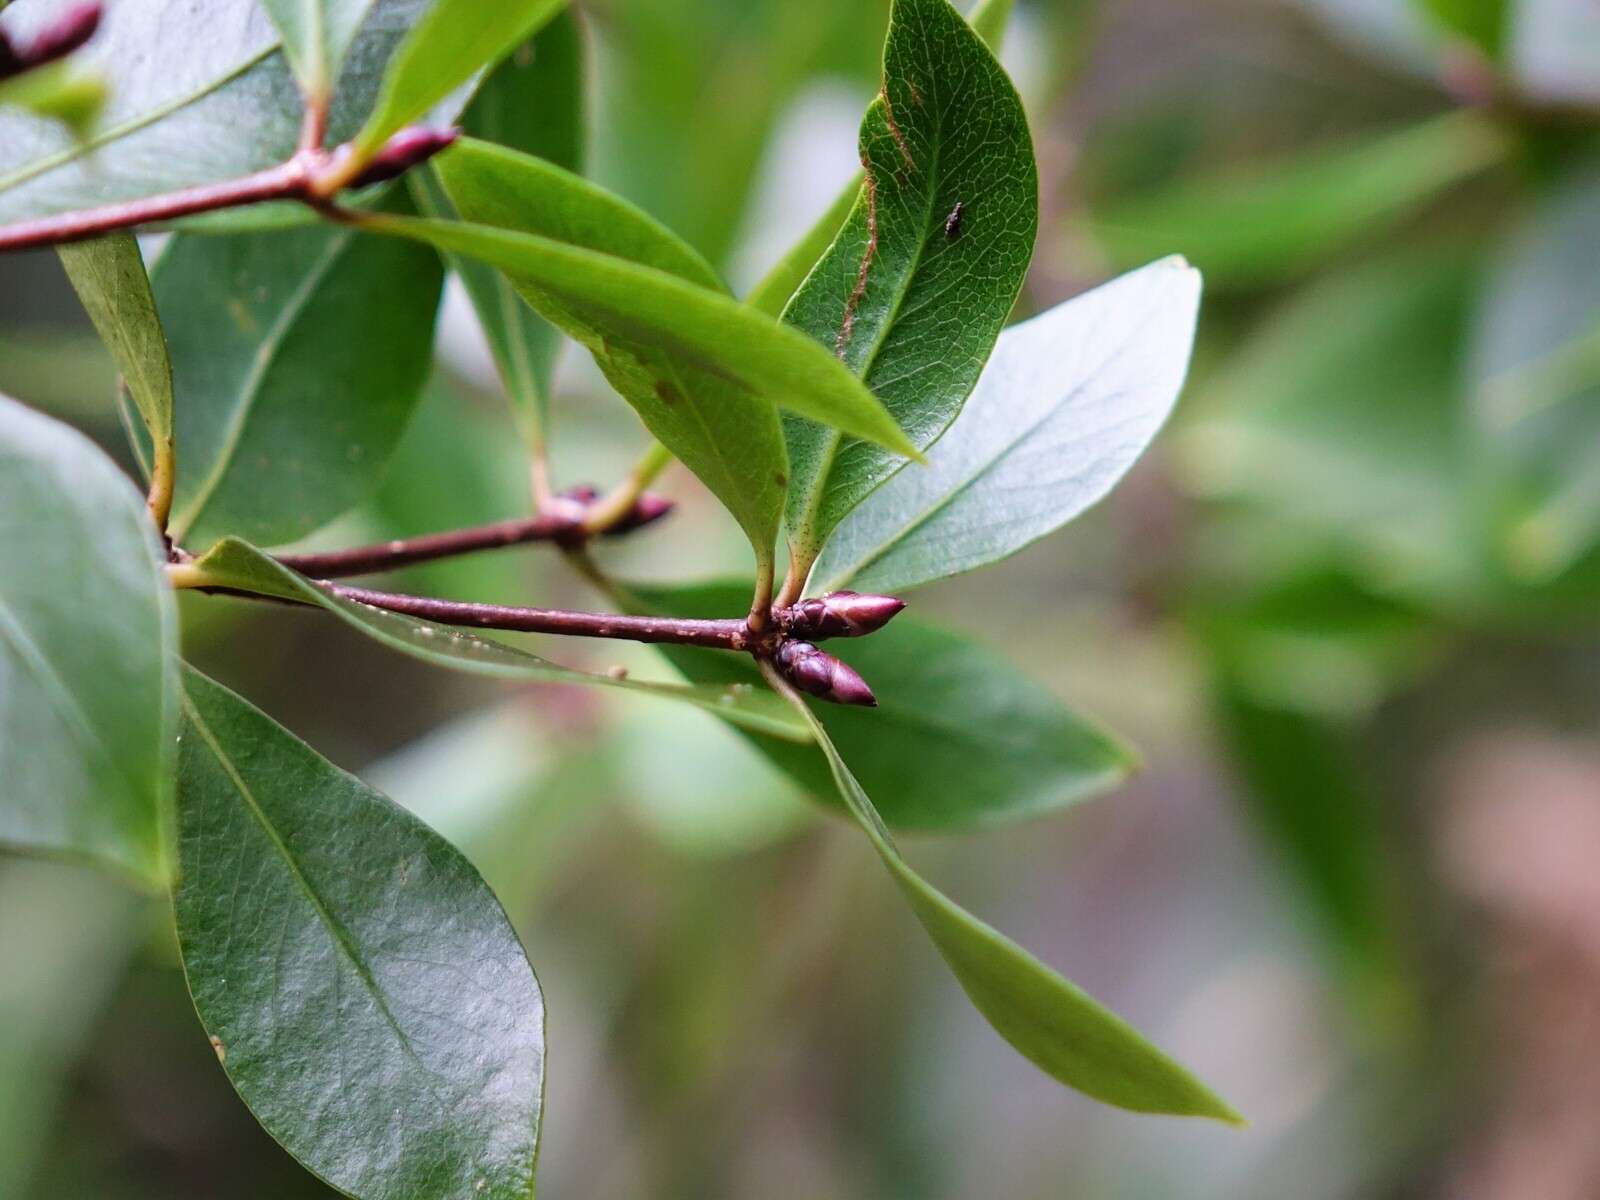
[1481, 22]
[960, 739]
[454, 40]
[236, 564]
[298, 358]
[1068, 402]
[533, 102]
[57, 91]
[1277, 220]
[316, 36]
[916, 287]
[187, 104]
[361, 986]
[88, 638]
[778, 285]
[109, 277]
[1049, 1020]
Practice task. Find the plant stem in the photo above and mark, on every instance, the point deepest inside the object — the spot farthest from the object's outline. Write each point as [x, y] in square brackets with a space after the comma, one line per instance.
[387, 556]
[619, 502]
[284, 182]
[163, 477]
[724, 634]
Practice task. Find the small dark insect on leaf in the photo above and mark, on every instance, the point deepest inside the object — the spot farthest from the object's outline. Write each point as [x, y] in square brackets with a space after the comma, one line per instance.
[952, 223]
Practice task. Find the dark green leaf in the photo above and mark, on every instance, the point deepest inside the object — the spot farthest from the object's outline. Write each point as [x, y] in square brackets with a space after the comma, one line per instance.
[778, 285]
[960, 739]
[1049, 1020]
[533, 102]
[1481, 22]
[454, 40]
[1066, 405]
[1247, 229]
[235, 564]
[193, 99]
[88, 637]
[911, 295]
[109, 276]
[316, 36]
[298, 357]
[363, 989]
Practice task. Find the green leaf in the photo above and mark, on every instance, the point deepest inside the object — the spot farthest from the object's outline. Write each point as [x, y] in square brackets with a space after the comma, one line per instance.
[193, 99]
[1068, 402]
[57, 91]
[109, 277]
[316, 36]
[1050, 1021]
[298, 358]
[88, 638]
[1534, 361]
[1482, 22]
[960, 738]
[452, 42]
[362, 987]
[778, 285]
[1280, 219]
[534, 102]
[911, 296]
[235, 564]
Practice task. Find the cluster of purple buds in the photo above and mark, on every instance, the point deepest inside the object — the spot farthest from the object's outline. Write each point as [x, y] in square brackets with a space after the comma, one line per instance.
[75, 27]
[840, 614]
[820, 674]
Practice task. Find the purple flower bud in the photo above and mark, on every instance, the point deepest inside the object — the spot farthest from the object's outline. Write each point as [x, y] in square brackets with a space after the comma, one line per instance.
[583, 493]
[71, 30]
[822, 675]
[842, 614]
[403, 151]
[646, 509]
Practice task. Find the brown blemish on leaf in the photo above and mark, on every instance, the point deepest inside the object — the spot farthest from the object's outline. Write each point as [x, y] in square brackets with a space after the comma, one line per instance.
[221, 1050]
[895, 131]
[666, 393]
[847, 327]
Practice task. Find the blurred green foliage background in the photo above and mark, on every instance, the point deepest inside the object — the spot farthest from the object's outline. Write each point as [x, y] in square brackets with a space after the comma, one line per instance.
[1347, 610]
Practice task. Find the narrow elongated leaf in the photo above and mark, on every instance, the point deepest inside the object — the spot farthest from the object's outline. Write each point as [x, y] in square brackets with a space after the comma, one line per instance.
[452, 42]
[363, 990]
[916, 287]
[960, 738]
[192, 99]
[88, 638]
[236, 564]
[1049, 1020]
[1281, 219]
[728, 436]
[316, 36]
[1066, 405]
[533, 102]
[298, 357]
[109, 277]
[777, 286]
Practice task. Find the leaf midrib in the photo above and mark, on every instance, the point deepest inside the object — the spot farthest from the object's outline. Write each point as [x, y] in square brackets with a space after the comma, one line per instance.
[78, 150]
[250, 391]
[340, 936]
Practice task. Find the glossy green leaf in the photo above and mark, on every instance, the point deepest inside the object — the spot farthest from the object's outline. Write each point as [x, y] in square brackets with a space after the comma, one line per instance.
[298, 358]
[912, 295]
[1275, 221]
[960, 739]
[534, 102]
[362, 987]
[1050, 1021]
[1068, 402]
[187, 104]
[109, 277]
[236, 564]
[316, 36]
[88, 638]
[778, 285]
[454, 41]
